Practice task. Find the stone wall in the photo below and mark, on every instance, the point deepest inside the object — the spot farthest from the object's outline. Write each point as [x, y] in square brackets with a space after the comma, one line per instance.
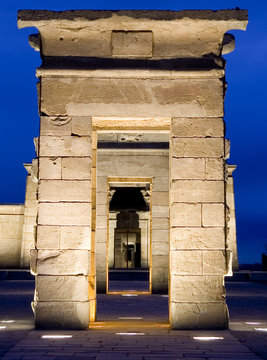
[11, 223]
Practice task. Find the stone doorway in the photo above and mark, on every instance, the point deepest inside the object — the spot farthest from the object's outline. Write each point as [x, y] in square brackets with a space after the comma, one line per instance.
[129, 237]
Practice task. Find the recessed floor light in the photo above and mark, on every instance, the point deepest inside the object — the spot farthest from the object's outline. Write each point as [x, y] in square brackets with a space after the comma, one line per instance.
[56, 336]
[130, 333]
[207, 338]
[7, 321]
[130, 318]
[252, 323]
[2, 327]
[129, 295]
[261, 329]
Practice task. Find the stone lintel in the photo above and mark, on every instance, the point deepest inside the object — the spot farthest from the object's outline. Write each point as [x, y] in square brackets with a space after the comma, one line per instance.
[131, 33]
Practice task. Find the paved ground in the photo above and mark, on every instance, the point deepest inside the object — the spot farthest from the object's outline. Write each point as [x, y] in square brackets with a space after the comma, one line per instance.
[153, 339]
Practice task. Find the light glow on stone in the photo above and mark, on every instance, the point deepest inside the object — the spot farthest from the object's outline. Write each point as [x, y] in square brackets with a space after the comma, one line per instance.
[207, 338]
[261, 329]
[7, 321]
[252, 323]
[130, 333]
[2, 327]
[56, 336]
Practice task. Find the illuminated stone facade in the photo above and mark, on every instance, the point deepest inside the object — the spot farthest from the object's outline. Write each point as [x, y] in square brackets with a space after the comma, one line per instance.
[132, 72]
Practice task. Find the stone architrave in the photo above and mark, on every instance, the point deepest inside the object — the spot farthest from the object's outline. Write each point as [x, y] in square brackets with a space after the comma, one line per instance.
[90, 71]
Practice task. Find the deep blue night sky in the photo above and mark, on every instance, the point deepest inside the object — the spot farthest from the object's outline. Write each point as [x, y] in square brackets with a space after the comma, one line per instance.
[245, 105]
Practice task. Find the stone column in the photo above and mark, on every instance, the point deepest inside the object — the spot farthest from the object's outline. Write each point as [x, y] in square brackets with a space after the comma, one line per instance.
[230, 201]
[30, 216]
[197, 224]
[61, 259]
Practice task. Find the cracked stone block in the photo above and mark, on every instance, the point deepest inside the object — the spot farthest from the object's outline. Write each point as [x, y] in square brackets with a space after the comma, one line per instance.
[64, 190]
[62, 262]
[64, 214]
[76, 168]
[195, 288]
[197, 191]
[186, 262]
[197, 127]
[197, 147]
[65, 146]
[182, 214]
[197, 238]
[65, 315]
[213, 214]
[187, 168]
[61, 288]
[187, 316]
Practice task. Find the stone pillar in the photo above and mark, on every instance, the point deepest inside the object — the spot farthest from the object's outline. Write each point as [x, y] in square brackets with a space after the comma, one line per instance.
[144, 225]
[230, 201]
[61, 259]
[30, 216]
[197, 224]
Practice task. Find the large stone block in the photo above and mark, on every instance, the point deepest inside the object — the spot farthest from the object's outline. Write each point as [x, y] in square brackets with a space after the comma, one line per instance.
[159, 212]
[188, 316]
[197, 238]
[62, 262]
[214, 262]
[197, 288]
[76, 168]
[161, 183]
[197, 127]
[129, 43]
[81, 125]
[183, 214]
[49, 168]
[159, 280]
[160, 248]
[187, 168]
[151, 97]
[64, 214]
[55, 125]
[64, 190]
[197, 191]
[160, 224]
[186, 262]
[61, 315]
[48, 237]
[197, 147]
[160, 198]
[215, 169]
[160, 235]
[75, 237]
[61, 288]
[213, 214]
[65, 146]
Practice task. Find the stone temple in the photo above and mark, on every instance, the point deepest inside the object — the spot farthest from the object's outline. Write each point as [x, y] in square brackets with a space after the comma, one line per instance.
[131, 169]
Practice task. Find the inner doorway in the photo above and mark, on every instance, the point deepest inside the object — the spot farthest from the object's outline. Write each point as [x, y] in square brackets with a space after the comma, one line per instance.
[129, 236]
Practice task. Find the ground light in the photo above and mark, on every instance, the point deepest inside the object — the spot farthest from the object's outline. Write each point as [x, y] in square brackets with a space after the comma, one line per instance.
[130, 318]
[252, 323]
[261, 329]
[129, 295]
[130, 333]
[7, 321]
[2, 327]
[207, 338]
[56, 336]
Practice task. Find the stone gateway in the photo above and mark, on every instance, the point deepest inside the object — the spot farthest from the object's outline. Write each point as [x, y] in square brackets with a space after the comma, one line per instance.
[131, 161]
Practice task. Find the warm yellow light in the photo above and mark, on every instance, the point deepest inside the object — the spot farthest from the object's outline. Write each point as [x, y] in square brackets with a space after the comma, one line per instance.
[207, 338]
[261, 329]
[130, 333]
[56, 336]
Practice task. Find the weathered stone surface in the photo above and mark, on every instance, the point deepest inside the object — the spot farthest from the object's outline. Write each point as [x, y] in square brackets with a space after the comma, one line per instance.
[197, 288]
[64, 214]
[49, 168]
[55, 125]
[214, 262]
[197, 191]
[61, 315]
[197, 127]
[197, 238]
[161, 224]
[186, 262]
[75, 237]
[61, 288]
[215, 169]
[131, 43]
[64, 190]
[48, 237]
[160, 198]
[197, 147]
[76, 168]
[160, 235]
[159, 280]
[213, 214]
[112, 97]
[161, 183]
[81, 126]
[63, 262]
[188, 316]
[65, 146]
[159, 212]
[160, 248]
[182, 214]
[187, 168]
